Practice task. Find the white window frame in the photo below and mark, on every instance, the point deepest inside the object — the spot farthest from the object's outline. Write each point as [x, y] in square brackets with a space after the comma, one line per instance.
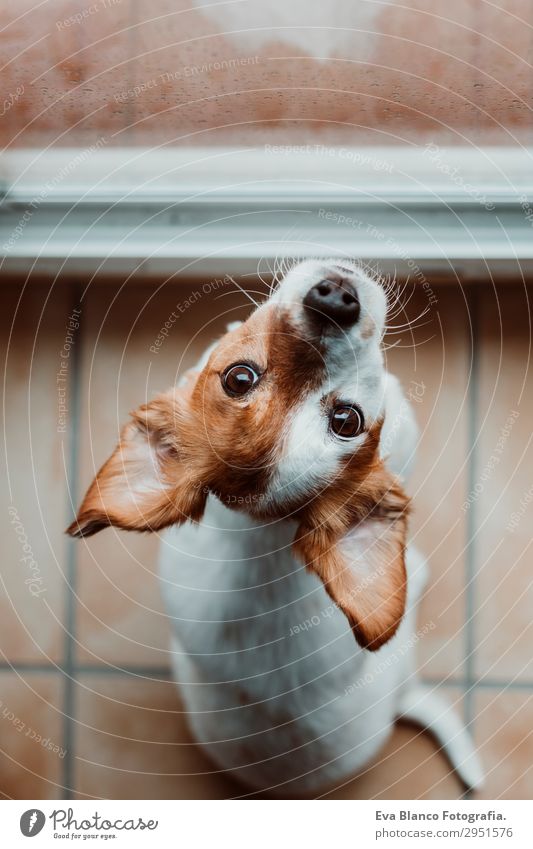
[196, 212]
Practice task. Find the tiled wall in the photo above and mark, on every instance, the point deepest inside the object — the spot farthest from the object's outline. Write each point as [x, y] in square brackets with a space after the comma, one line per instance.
[266, 71]
[85, 661]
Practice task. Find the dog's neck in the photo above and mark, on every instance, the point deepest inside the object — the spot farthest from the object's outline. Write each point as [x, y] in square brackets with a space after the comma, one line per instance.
[249, 588]
[248, 537]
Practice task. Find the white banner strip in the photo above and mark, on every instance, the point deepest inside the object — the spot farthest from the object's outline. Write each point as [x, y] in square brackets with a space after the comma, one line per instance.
[267, 824]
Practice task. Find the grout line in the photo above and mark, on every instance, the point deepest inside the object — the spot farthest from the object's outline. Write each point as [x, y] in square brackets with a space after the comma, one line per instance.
[470, 563]
[71, 555]
[89, 669]
[483, 684]
[471, 517]
[31, 668]
[140, 671]
[159, 672]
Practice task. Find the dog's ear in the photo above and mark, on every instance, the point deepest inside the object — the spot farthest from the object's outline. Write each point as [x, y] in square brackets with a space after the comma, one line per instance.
[148, 482]
[357, 548]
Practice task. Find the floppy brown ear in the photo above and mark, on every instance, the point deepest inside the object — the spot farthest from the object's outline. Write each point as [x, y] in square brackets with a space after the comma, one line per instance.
[147, 482]
[362, 565]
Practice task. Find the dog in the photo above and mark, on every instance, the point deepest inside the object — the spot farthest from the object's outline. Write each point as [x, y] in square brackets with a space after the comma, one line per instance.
[277, 467]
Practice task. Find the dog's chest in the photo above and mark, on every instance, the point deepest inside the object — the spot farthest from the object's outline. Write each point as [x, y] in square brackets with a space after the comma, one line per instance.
[246, 611]
[266, 664]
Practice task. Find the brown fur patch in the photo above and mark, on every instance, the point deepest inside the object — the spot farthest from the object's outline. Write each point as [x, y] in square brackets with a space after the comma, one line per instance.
[365, 500]
[196, 439]
[242, 438]
[147, 483]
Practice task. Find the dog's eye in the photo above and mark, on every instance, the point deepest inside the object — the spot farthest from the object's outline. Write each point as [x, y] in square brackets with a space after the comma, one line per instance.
[239, 379]
[346, 421]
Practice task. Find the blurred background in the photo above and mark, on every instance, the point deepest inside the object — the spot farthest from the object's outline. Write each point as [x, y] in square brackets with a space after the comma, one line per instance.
[241, 72]
[157, 158]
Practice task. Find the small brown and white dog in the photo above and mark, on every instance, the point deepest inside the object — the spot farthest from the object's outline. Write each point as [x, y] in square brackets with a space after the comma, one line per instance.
[277, 466]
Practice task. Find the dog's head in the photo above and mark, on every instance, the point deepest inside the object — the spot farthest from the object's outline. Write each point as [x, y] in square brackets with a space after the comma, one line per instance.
[282, 419]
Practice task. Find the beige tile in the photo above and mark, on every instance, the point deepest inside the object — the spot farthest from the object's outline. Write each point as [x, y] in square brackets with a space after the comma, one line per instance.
[32, 753]
[34, 494]
[120, 616]
[502, 493]
[505, 739]
[432, 362]
[132, 742]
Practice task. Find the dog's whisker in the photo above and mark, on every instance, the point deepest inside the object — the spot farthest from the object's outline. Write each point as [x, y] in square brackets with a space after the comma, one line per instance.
[258, 273]
[402, 331]
[400, 308]
[244, 292]
[277, 271]
[386, 347]
[399, 290]
[416, 344]
[411, 323]
[234, 292]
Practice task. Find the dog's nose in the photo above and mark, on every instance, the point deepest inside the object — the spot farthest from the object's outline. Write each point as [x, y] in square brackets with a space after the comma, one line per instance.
[331, 301]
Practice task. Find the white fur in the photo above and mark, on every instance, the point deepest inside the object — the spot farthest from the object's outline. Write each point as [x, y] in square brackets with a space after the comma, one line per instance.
[310, 455]
[276, 688]
[354, 372]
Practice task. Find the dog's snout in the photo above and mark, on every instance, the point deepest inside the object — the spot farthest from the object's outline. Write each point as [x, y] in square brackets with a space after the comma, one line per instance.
[333, 301]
